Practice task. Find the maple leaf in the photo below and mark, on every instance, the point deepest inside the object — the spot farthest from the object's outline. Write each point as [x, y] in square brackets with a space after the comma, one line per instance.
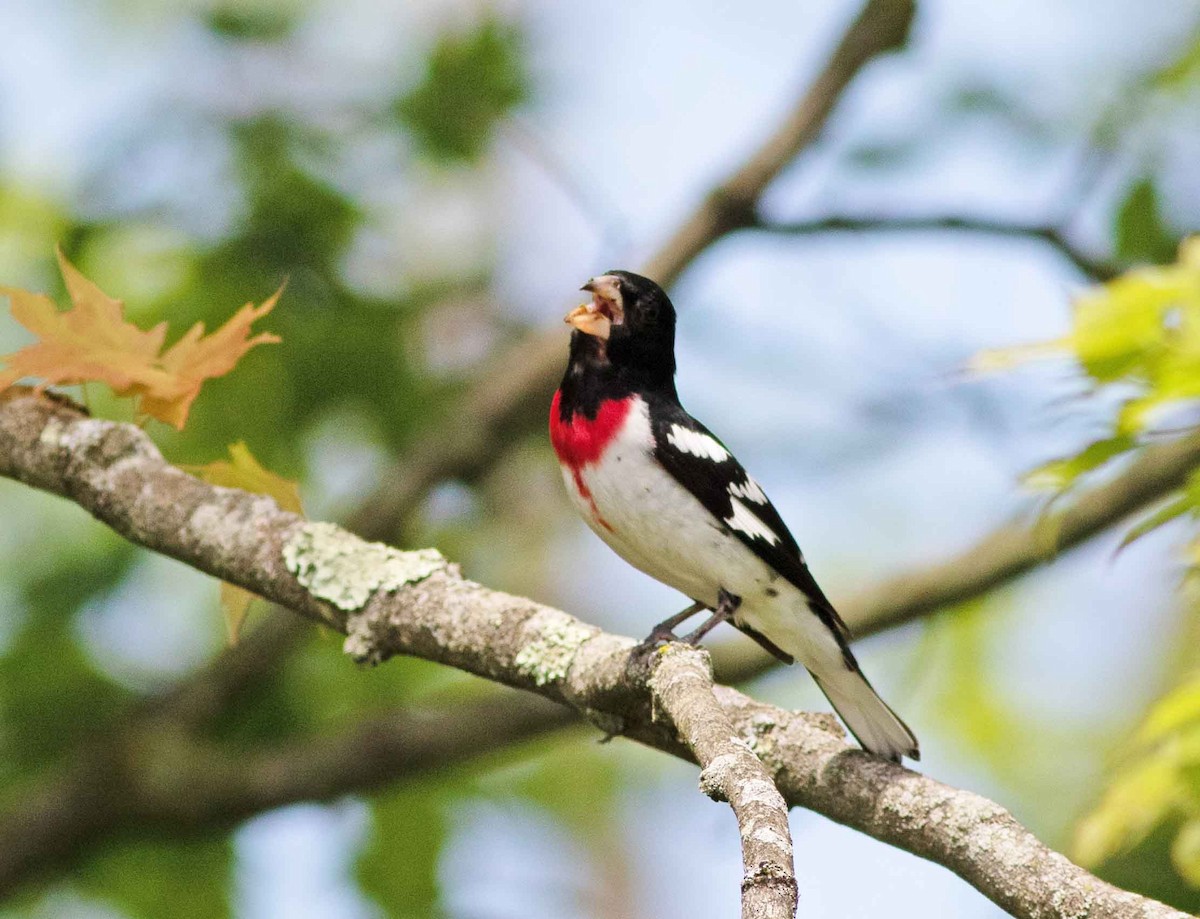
[243, 471]
[197, 357]
[92, 342]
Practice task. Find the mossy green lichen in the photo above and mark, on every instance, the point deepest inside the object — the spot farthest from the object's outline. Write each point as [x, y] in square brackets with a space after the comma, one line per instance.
[549, 657]
[342, 569]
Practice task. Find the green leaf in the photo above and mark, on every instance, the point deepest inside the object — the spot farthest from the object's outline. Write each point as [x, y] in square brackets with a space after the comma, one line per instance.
[397, 867]
[156, 877]
[1139, 798]
[471, 83]
[1176, 710]
[1117, 326]
[1061, 473]
[254, 21]
[1175, 508]
[1172, 374]
[1181, 72]
[1142, 234]
[1157, 789]
[1185, 852]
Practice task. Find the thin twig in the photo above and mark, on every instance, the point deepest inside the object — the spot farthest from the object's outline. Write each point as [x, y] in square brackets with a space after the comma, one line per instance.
[1093, 269]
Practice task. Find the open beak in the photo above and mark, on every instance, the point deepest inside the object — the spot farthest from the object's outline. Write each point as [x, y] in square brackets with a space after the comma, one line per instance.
[598, 317]
[589, 320]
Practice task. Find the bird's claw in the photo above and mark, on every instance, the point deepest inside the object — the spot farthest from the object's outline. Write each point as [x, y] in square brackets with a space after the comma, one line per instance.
[653, 642]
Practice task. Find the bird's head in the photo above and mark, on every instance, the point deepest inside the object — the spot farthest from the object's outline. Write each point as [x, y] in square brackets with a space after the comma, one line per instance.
[632, 321]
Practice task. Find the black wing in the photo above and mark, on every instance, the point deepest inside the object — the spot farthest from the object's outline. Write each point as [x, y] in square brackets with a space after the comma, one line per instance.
[726, 490]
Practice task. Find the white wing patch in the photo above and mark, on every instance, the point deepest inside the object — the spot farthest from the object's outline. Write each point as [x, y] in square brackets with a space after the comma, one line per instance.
[696, 443]
[745, 520]
[749, 490]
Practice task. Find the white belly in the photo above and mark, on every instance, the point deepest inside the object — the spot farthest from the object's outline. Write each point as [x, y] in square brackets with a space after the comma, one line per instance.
[660, 528]
[647, 517]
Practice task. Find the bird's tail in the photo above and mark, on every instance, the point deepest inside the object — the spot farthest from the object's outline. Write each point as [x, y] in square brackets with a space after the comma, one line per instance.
[870, 720]
[810, 630]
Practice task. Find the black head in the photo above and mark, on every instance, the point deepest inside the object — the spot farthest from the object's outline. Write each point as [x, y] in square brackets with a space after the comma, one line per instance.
[631, 324]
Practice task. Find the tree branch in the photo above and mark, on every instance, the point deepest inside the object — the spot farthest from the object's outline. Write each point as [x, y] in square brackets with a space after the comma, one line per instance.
[389, 602]
[682, 688]
[179, 783]
[202, 696]
[882, 26]
[1092, 268]
[1013, 550]
[153, 774]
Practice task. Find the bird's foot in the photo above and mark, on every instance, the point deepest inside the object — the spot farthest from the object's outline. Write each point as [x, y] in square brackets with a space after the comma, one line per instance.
[727, 605]
[653, 641]
[665, 631]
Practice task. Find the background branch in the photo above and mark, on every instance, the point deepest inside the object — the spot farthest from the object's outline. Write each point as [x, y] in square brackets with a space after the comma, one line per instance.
[388, 602]
[881, 26]
[1092, 268]
[1013, 550]
[154, 775]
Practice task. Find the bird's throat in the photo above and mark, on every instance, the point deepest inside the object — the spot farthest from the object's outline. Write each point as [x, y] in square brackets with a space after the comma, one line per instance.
[580, 440]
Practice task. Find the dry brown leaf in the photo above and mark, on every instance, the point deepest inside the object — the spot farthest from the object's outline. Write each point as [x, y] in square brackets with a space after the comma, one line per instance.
[92, 342]
[197, 357]
[243, 471]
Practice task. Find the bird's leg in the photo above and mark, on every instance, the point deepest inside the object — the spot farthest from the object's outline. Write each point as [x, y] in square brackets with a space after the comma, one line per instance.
[727, 605]
[665, 630]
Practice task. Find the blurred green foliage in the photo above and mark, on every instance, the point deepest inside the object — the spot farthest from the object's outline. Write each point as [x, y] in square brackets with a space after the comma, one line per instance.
[397, 866]
[187, 879]
[1137, 339]
[1140, 231]
[472, 80]
[1154, 791]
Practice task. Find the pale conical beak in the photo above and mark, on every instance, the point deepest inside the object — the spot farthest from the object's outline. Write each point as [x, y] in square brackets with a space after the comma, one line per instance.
[589, 320]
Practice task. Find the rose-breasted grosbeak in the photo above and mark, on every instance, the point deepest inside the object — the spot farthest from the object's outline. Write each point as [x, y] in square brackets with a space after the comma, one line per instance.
[670, 499]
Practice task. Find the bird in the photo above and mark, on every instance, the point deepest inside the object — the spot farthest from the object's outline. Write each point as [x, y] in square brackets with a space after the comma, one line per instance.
[671, 499]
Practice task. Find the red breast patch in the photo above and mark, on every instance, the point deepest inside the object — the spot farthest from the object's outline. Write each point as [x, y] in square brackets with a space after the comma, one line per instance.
[580, 441]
